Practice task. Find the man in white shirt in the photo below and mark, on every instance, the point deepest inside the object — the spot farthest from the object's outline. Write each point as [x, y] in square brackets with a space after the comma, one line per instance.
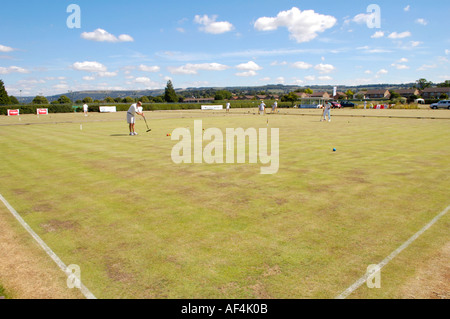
[228, 107]
[131, 117]
[275, 107]
[262, 108]
[85, 109]
[327, 111]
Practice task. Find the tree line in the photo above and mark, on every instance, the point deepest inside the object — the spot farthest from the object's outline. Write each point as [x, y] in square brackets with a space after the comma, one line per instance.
[171, 96]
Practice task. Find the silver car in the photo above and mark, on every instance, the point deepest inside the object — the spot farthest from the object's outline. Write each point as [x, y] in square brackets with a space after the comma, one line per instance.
[444, 104]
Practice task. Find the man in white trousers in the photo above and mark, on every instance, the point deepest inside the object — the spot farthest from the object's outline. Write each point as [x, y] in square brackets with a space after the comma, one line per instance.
[131, 117]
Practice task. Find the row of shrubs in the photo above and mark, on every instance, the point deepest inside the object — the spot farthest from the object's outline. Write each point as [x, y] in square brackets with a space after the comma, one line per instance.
[67, 108]
[31, 109]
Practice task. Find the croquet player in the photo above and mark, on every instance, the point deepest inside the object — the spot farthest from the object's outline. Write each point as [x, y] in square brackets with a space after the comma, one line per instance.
[262, 108]
[85, 109]
[327, 111]
[131, 117]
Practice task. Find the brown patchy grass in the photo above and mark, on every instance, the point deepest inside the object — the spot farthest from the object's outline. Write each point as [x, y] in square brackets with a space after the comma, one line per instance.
[26, 272]
[432, 280]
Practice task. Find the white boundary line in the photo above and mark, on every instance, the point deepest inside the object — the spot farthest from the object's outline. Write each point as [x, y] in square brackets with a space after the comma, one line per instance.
[394, 254]
[47, 249]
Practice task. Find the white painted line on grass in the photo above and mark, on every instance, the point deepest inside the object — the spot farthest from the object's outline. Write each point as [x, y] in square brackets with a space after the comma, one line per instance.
[56, 259]
[394, 254]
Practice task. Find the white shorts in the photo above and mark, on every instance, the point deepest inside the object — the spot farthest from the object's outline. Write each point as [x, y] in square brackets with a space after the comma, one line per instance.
[131, 119]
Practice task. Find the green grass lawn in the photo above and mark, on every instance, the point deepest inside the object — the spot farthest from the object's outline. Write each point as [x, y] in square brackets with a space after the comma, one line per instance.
[140, 226]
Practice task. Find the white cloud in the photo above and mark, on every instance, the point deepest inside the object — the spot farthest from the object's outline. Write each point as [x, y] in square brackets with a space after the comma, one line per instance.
[402, 35]
[247, 73]
[281, 80]
[275, 63]
[6, 49]
[407, 8]
[13, 69]
[125, 38]
[325, 78]
[298, 82]
[363, 18]
[210, 25]
[324, 68]
[250, 66]
[181, 30]
[101, 35]
[303, 26]
[107, 74]
[368, 72]
[427, 67]
[403, 60]
[302, 65]
[381, 72]
[88, 78]
[422, 21]
[194, 68]
[61, 86]
[400, 66]
[378, 34]
[146, 68]
[89, 66]
[310, 78]
[142, 80]
[447, 52]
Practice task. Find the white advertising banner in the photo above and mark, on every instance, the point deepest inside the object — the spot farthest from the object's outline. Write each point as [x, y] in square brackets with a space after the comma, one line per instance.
[108, 109]
[212, 107]
[13, 112]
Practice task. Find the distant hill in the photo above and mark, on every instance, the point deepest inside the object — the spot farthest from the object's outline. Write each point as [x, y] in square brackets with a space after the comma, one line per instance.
[271, 88]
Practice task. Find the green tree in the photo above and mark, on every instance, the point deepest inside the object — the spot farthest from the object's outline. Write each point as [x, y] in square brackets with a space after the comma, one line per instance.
[64, 100]
[158, 99]
[40, 100]
[144, 99]
[309, 91]
[443, 96]
[445, 84]
[88, 99]
[4, 98]
[14, 100]
[109, 100]
[291, 97]
[170, 95]
[422, 84]
[394, 95]
[349, 94]
[223, 95]
[128, 99]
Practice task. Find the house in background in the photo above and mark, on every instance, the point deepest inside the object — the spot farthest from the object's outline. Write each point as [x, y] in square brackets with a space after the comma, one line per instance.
[408, 93]
[323, 95]
[373, 94]
[435, 93]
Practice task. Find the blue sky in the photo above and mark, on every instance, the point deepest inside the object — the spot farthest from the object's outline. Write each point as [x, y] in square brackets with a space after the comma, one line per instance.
[142, 44]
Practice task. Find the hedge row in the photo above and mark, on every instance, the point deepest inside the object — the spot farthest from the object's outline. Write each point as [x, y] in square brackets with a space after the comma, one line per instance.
[67, 108]
[31, 109]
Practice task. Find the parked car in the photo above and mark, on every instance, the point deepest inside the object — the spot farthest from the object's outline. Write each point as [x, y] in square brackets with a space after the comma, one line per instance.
[444, 104]
[347, 104]
[335, 105]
